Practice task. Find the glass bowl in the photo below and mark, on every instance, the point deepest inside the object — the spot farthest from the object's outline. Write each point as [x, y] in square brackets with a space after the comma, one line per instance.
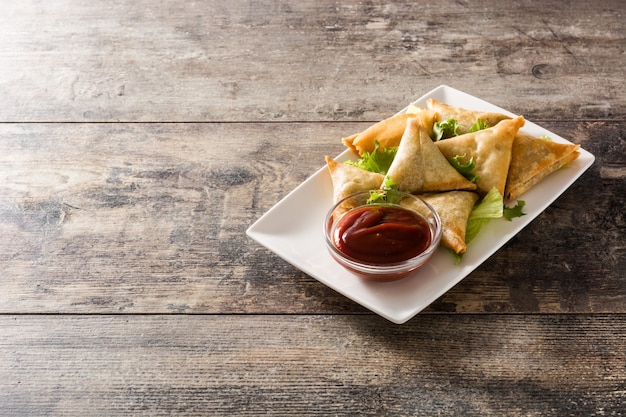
[382, 235]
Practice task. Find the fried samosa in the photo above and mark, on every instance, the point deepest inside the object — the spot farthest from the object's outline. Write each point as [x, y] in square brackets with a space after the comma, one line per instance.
[348, 179]
[464, 117]
[532, 159]
[454, 208]
[490, 150]
[420, 167]
[387, 132]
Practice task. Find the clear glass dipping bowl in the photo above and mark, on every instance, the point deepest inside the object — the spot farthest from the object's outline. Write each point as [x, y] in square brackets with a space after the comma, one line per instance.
[383, 271]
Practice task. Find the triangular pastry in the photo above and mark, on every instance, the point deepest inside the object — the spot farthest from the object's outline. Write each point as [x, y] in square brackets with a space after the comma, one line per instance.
[532, 159]
[387, 132]
[490, 150]
[453, 208]
[349, 179]
[465, 118]
[420, 167]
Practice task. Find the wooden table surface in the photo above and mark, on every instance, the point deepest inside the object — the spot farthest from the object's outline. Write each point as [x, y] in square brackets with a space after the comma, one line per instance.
[140, 139]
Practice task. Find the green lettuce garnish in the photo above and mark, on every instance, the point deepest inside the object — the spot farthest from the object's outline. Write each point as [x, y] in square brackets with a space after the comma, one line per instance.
[450, 128]
[465, 169]
[490, 207]
[511, 213]
[479, 124]
[388, 194]
[379, 160]
[446, 129]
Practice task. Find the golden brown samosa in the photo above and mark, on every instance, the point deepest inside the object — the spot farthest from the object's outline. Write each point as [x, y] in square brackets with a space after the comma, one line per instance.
[464, 117]
[454, 208]
[348, 179]
[420, 167]
[387, 132]
[490, 149]
[532, 159]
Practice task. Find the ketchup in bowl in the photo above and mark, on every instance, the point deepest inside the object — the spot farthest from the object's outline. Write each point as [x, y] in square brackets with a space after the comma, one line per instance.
[382, 234]
[384, 241]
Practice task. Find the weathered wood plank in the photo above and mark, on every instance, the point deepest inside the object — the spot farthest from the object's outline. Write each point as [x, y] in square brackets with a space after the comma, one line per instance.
[151, 218]
[312, 366]
[305, 60]
[128, 286]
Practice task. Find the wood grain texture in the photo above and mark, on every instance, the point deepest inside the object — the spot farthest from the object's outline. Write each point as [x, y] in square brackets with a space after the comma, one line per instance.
[479, 365]
[151, 218]
[139, 140]
[305, 60]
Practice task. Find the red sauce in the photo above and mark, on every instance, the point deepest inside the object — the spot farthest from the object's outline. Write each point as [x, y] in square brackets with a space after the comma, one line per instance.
[382, 234]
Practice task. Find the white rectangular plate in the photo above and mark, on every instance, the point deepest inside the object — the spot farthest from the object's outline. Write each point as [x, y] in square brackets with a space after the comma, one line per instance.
[292, 229]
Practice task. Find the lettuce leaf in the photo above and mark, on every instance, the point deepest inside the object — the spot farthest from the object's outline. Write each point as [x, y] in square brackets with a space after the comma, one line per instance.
[379, 160]
[388, 194]
[465, 169]
[446, 129]
[511, 213]
[479, 124]
[490, 207]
